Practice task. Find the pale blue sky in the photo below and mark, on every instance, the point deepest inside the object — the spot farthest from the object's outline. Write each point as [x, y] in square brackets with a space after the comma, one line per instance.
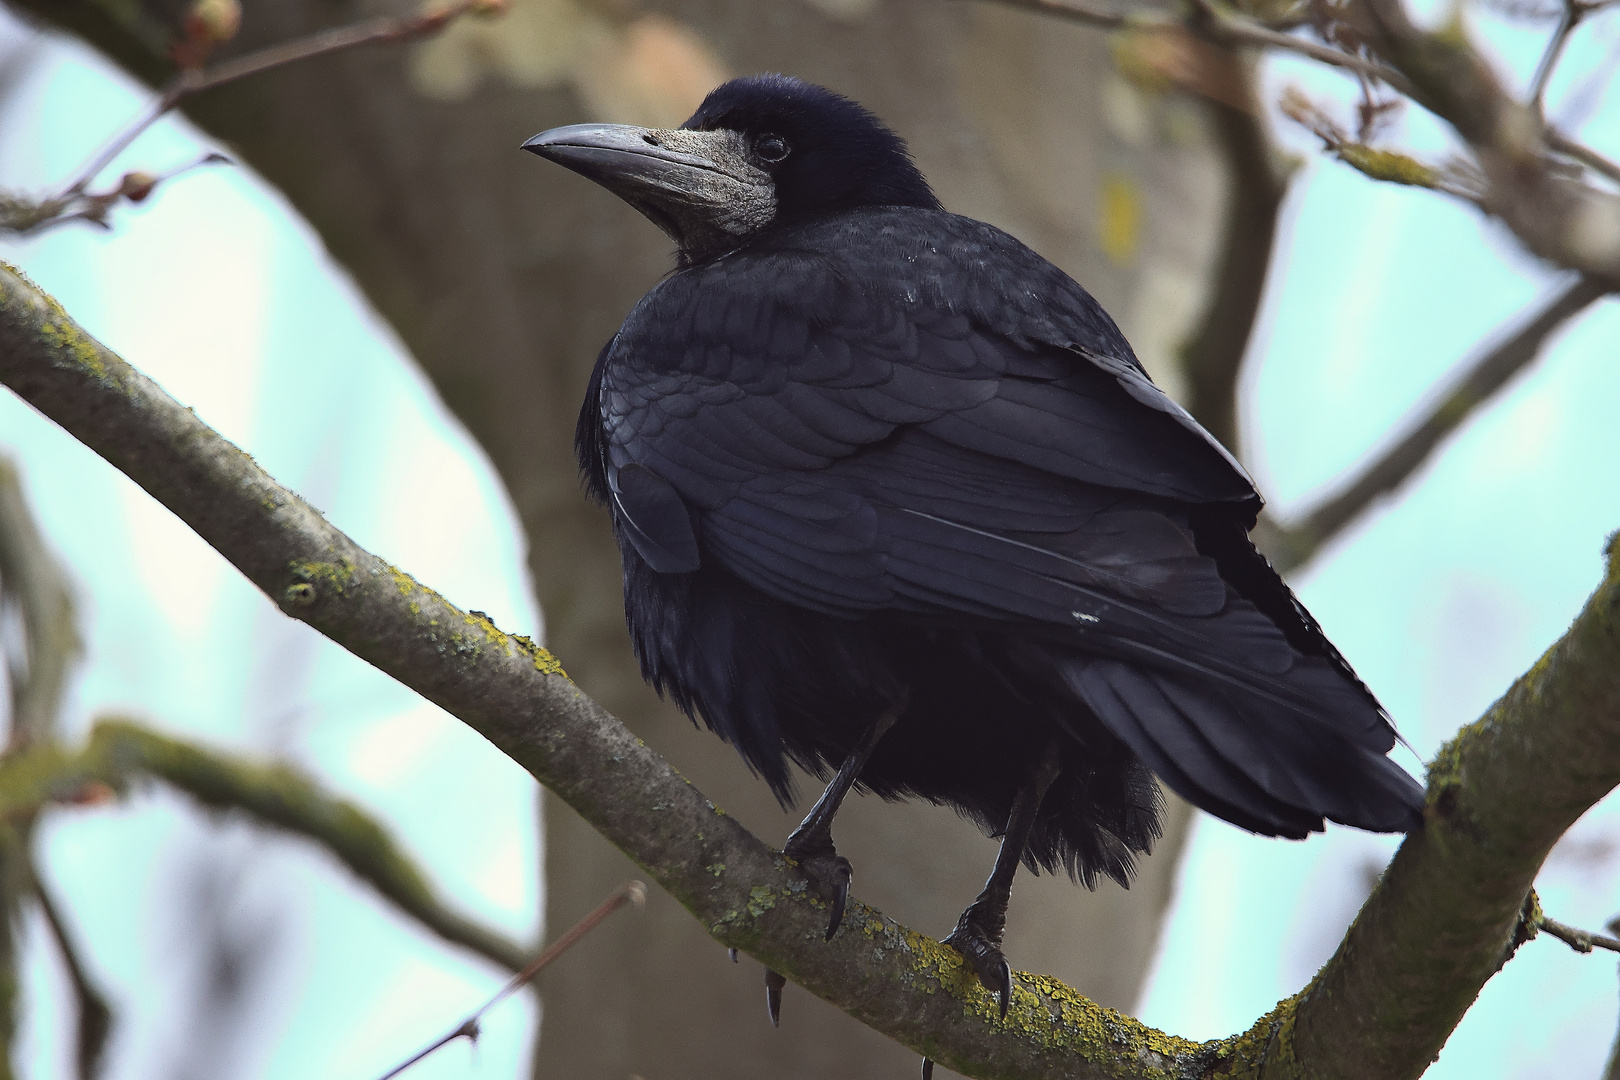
[216, 290]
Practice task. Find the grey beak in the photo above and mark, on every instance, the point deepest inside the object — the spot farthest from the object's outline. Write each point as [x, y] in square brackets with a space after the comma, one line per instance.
[616, 154]
[700, 187]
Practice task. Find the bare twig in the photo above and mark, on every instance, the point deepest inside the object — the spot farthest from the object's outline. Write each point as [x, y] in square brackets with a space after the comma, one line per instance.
[24, 216]
[95, 1018]
[1568, 19]
[1221, 27]
[75, 204]
[1516, 175]
[631, 892]
[1563, 144]
[378, 31]
[1292, 546]
[1582, 941]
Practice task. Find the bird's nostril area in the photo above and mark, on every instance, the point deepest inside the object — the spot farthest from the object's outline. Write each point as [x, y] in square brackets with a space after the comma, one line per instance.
[651, 140]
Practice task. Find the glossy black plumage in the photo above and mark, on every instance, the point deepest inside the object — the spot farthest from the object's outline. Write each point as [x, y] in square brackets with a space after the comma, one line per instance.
[874, 451]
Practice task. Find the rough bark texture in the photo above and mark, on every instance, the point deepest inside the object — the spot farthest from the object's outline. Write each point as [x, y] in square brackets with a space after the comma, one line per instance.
[505, 276]
[1453, 906]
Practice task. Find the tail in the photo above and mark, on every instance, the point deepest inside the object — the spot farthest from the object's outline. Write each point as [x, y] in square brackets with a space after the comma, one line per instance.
[1255, 757]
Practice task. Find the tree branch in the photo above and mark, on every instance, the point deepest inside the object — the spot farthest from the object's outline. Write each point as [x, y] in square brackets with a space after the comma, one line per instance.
[1582, 153]
[1291, 546]
[24, 216]
[1213, 358]
[1556, 216]
[119, 752]
[1582, 941]
[1453, 906]
[1445, 916]
[1218, 26]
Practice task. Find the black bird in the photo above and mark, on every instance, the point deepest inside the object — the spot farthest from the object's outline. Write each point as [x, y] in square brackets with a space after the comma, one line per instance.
[895, 498]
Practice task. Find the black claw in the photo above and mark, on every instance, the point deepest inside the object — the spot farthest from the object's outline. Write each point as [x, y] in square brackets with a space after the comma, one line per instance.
[928, 1069]
[828, 871]
[733, 954]
[773, 996]
[840, 897]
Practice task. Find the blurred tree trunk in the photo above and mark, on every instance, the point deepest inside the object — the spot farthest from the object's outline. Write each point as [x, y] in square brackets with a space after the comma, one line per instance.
[504, 276]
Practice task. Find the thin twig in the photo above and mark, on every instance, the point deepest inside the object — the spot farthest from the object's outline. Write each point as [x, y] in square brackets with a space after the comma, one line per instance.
[1563, 144]
[1568, 20]
[371, 32]
[631, 892]
[1222, 28]
[1582, 941]
[1291, 547]
[166, 101]
[95, 1018]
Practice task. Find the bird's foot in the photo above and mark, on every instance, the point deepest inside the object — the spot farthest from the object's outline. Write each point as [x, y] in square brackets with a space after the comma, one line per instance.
[828, 871]
[978, 938]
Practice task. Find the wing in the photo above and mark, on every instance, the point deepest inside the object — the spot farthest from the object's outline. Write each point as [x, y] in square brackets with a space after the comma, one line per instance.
[855, 437]
[794, 356]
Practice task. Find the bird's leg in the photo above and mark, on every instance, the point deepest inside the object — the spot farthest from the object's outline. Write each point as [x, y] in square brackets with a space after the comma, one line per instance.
[978, 932]
[811, 844]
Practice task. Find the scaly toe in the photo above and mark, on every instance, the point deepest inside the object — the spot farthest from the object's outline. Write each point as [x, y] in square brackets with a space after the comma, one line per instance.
[829, 874]
[986, 959]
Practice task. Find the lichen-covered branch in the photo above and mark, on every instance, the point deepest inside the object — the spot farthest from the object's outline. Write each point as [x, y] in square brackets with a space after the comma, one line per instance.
[1455, 902]
[120, 752]
[1556, 215]
[1447, 914]
[1290, 546]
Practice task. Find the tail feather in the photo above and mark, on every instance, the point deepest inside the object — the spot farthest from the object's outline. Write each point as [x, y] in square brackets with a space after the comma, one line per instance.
[1253, 764]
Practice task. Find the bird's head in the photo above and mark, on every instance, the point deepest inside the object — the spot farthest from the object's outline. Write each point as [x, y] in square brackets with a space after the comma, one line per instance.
[761, 151]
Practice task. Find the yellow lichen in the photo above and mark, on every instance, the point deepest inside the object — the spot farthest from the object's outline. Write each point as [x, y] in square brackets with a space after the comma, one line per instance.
[547, 664]
[1387, 165]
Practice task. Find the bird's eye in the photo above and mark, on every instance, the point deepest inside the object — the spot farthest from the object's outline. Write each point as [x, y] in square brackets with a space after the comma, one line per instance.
[771, 148]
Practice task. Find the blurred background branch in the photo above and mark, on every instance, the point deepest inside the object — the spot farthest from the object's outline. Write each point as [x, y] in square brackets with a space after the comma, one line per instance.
[121, 752]
[210, 24]
[38, 773]
[37, 634]
[1475, 385]
[94, 1017]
